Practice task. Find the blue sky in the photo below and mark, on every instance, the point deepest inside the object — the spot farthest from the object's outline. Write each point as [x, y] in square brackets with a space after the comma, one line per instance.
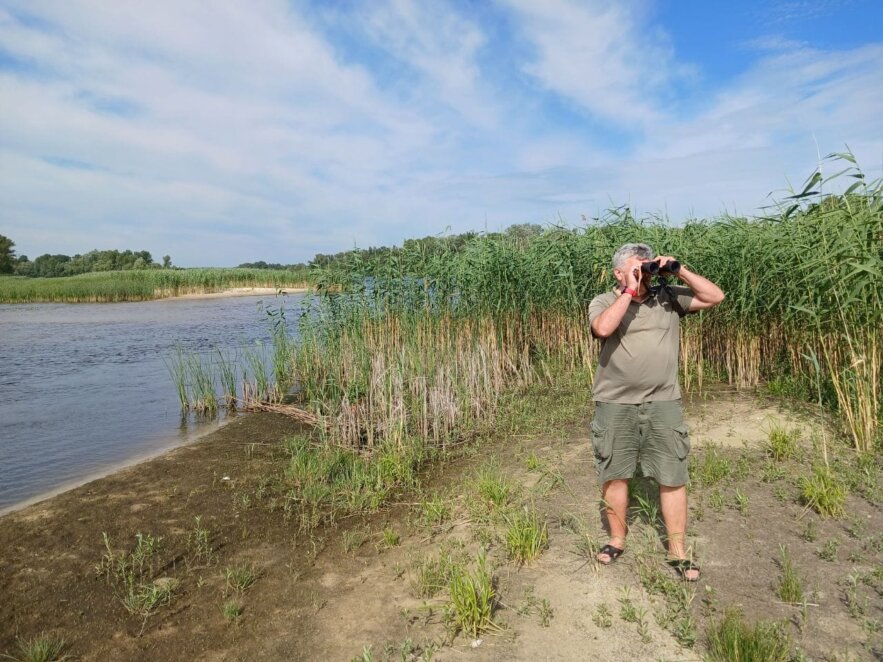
[227, 132]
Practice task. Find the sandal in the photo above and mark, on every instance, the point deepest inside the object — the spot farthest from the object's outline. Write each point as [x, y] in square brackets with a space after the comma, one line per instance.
[683, 566]
[611, 551]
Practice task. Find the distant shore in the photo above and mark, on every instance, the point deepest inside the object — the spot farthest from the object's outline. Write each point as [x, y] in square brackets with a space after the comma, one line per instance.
[240, 292]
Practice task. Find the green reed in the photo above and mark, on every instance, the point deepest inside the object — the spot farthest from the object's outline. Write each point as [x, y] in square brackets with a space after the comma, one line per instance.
[143, 285]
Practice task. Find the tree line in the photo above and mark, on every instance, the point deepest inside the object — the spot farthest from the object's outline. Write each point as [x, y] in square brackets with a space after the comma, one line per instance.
[364, 260]
[53, 266]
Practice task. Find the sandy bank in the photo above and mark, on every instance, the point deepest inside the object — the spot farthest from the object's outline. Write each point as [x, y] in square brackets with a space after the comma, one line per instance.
[241, 292]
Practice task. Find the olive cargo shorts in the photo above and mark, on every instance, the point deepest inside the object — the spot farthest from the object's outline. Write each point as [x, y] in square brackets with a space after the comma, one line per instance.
[652, 434]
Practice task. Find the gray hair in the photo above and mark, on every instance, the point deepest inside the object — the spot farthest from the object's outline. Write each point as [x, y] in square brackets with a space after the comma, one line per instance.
[626, 251]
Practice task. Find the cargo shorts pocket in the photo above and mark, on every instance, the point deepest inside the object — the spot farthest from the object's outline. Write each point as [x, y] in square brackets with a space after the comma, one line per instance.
[602, 441]
[681, 441]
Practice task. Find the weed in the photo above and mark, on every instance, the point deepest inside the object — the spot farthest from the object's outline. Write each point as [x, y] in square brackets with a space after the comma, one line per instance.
[231, 610]
[741, 502]
[199, 542]
[526, 536]
[434, 511]
[772, 472]
[493, 487]
[391, 538]
[828, 552]
[711, 469]
[627, 610]
[143, 600]
[810, 532]
[534, 463]
[782, 443]
[731, 639]
[472, 599]
[241, 577]
[545, 612]
[716, 500]
[854, 603]
[42, 648]
[353, 539]
[602, 616]
[823, 491]
[790, 585]
[856, 528]
[432, 574]
[366, 655]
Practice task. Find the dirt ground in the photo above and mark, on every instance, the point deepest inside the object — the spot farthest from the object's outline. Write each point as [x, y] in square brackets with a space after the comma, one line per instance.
[341, 592]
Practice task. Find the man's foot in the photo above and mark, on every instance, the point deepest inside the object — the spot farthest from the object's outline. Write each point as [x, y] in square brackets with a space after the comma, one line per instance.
[610, 552]
[688, 570]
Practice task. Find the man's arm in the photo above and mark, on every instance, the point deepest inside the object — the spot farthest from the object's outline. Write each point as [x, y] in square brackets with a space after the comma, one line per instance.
[608, 321]
[705, 293]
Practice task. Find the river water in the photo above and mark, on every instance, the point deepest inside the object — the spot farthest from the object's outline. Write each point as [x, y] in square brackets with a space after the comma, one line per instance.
[85, 388]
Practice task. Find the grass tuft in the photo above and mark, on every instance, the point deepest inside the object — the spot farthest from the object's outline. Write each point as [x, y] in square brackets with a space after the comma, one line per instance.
[732, 640]
[526, 535]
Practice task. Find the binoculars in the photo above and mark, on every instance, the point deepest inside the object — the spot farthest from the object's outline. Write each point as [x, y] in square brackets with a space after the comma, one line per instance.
[653, 269]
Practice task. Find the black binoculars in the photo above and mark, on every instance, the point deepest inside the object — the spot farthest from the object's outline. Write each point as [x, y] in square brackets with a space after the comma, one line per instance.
[653, 269]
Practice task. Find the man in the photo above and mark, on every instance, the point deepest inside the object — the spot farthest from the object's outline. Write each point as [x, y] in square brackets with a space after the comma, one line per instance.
[638, 416]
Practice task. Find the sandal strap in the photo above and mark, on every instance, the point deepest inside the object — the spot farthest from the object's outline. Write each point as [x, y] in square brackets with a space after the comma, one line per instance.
[611, 551]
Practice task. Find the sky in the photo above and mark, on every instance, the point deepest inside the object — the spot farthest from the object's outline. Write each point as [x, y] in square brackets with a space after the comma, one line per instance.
[229, 132]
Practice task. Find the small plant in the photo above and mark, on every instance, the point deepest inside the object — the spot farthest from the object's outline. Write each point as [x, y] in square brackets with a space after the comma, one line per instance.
[810, 532]
[716, 500]
[772, 472]
[241, 577]
[533, 462]
[828, 552]
[731, 639]
[854, 603]
[42, 648]
[782, 443]
[545, 612]
[199, 542]
[143, 600]
[391, 538]
[602, 616]
[712, 468]
[472, 599]
[493, 487]
[432, 574]
[741, 503]
[434, 511]
[366, 655]
[627, 610]
[353, 539]
[790, 585]
[231, 610]
[856, 528]
[526, 536]
[823, 491]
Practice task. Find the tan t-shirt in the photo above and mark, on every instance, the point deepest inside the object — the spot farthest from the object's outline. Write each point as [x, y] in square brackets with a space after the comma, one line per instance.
[639, 361]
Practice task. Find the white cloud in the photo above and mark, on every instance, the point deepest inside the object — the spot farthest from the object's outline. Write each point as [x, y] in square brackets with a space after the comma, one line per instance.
[601, 57]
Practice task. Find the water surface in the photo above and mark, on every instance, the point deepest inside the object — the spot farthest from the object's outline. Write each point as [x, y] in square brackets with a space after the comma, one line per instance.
[85, 388]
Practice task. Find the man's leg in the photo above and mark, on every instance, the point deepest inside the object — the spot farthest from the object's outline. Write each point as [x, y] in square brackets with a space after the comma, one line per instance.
[674, 513]
[616, 500]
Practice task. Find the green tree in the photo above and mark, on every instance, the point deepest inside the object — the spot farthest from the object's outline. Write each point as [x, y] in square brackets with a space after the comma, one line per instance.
[7, 254]
[166, 261]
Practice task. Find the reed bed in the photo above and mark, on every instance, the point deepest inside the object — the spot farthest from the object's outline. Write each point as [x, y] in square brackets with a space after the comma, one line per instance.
[803, 300]
[143, 285]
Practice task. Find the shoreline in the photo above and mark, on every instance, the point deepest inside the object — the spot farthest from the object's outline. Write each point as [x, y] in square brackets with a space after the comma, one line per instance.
[164, 447]
[237, 292]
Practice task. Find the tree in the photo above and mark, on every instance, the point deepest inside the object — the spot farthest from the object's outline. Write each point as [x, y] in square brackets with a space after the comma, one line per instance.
[7, 254]
[166, 261]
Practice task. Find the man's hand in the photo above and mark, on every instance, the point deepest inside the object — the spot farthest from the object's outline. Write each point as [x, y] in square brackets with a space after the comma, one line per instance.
[663, 260]
[632, 272]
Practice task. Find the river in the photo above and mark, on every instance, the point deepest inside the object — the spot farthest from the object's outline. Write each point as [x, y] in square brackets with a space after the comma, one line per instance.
[85, 388]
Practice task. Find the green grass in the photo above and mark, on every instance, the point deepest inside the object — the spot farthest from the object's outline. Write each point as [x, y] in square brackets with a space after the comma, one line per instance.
[41, 648]
[790, 588]
[241, 577]
[730, 639]
[526, 535]
[142, 285]
[823, 491]
[232, 610]
[782, 443]
[472, 599]
[710, 467]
